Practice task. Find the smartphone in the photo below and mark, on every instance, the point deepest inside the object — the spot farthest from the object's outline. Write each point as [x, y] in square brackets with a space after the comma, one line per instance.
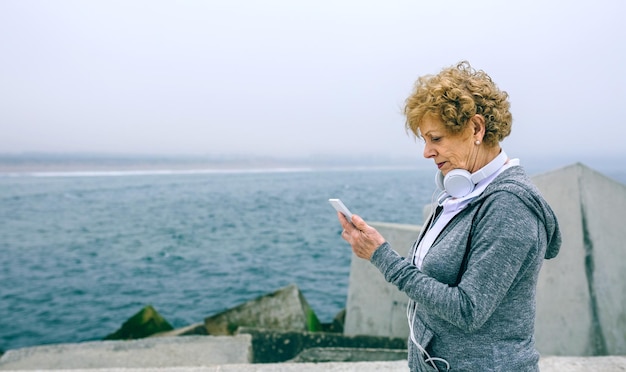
[340, 207]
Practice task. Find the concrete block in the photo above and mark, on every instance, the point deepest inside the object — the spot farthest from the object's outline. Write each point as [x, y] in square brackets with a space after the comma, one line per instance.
[285, 309]
[190, 330]
[143, 353]
[144, 323]
[348, 354]
[375, 307]
[271, 346]
[582, 292]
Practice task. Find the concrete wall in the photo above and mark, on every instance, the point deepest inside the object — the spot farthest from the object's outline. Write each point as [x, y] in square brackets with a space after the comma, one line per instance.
[375, 307]
[581, 295]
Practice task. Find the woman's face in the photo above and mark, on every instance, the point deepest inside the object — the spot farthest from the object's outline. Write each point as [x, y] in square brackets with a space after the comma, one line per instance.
[448, 150]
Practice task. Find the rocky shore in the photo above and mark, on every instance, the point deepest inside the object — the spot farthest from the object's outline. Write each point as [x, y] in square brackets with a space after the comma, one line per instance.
[277, 332]
[275, 328]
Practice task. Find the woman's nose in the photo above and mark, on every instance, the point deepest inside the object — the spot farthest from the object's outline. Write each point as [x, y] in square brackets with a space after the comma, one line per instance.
[429, 152]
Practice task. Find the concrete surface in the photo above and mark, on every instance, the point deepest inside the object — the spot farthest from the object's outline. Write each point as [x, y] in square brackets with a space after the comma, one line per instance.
[548, 364]
[148, 352]
[581, 294]
[375, 307]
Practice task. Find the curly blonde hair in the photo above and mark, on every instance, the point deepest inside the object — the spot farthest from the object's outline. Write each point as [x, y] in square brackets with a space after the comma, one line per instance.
[455, 95]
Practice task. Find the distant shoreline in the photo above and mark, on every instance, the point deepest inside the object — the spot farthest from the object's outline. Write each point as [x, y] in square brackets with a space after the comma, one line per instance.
[67, 165]
[144, 169]
[99, 164]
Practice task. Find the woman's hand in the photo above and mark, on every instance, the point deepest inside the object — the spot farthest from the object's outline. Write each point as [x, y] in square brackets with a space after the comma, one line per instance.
[363, 238]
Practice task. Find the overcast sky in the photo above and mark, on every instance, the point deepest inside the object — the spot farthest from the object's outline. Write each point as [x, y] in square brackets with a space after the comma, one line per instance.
[300, 78]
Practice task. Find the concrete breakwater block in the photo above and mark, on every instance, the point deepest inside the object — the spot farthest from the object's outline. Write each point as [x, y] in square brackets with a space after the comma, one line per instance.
[143, 324]
[375, 307]
[196, 329]
[285, 309]
[271, 346]
[143, 353]
[348, 354]
[581, 294]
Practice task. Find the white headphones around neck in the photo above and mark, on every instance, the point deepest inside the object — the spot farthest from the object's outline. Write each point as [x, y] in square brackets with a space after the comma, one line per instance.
[459, 182]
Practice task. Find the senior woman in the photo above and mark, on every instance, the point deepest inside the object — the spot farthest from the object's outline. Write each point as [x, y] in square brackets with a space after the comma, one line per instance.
[471, 274]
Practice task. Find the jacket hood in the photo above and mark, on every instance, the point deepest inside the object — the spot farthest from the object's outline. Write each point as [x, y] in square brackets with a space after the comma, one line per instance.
[516, 181]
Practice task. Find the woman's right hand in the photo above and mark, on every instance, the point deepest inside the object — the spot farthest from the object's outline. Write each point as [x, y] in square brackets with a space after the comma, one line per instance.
[363, 238]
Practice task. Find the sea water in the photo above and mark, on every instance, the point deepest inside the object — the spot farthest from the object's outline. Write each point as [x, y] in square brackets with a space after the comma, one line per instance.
[82, 252]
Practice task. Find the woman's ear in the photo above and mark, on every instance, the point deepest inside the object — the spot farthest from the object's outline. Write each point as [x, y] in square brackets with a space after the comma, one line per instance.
[478, 126]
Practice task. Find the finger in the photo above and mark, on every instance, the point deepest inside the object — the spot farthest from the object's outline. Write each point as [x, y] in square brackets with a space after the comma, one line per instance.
[341, 217]
[359, 223]
[343, 220]
[345, 236]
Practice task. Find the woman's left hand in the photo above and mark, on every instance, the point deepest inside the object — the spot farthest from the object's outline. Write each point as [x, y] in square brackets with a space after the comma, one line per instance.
[363, 238]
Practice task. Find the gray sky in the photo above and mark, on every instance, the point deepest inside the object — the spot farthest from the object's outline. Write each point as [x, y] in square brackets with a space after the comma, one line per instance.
[299, 78]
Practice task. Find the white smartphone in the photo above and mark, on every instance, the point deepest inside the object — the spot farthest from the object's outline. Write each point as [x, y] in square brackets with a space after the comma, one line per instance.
[340, 207]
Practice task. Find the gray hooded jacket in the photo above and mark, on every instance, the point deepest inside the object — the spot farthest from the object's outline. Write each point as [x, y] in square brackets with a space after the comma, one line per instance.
[486, 321]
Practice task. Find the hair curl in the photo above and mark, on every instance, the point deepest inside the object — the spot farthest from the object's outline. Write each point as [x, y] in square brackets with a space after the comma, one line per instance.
[455, 95]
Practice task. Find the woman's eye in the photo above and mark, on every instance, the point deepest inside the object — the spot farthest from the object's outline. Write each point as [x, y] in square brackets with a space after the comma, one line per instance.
[435, 139]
